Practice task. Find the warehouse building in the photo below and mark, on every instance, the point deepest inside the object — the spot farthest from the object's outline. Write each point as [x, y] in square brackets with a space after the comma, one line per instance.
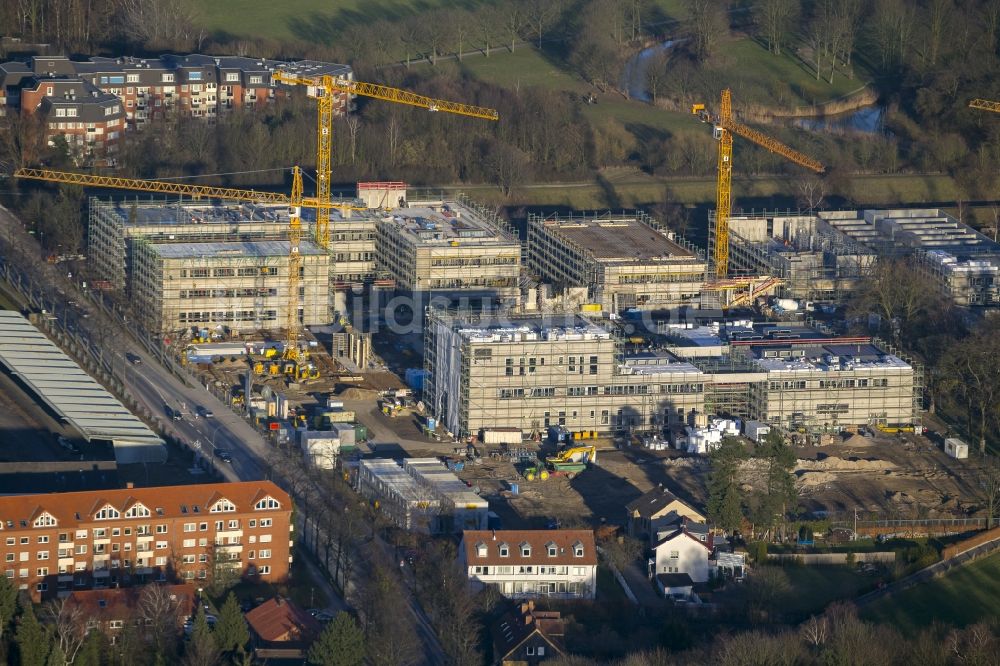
[532, 372]
[826, 256]
[451, 250]
[241, 285]
[623, 261]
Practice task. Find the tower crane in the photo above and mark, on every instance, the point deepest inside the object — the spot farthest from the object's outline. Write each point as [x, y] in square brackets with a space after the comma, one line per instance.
[323, 89]
[985, 105]
[724, 128]
[295, 201]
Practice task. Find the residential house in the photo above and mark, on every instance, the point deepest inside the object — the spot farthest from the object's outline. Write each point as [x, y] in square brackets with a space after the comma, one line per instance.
[111, 610]
[560, 564]
[656, 512]
[56, 543]
[279, 629]
[525, 636]
[682, 552]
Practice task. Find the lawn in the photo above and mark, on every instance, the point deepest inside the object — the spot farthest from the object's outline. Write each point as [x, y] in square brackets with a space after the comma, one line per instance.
[964, 596]
[815, 588]
[308, 20]
[524, 67]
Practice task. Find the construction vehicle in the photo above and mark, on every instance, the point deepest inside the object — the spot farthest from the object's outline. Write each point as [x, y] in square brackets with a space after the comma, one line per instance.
[724, 126]
[568, 463]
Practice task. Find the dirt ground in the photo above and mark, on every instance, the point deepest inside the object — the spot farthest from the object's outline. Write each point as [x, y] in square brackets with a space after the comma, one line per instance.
[892, 476]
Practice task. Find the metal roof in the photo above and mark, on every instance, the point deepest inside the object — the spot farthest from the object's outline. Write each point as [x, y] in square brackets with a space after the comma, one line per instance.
[73, 394]
[234, 249]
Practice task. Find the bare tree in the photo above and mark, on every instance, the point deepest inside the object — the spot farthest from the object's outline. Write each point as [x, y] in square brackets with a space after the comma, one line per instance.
[811, 192]
[159, 609]
[709, 25]
[774, 19]
[656, 73]
[540, 14]
[69, 626]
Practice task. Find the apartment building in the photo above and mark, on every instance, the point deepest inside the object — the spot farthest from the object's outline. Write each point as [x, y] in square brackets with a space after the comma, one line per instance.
[525, 564]
[148, 89]
[622, 261]
[241, 285]
[60, 542]
[450, 250]
[532, 372]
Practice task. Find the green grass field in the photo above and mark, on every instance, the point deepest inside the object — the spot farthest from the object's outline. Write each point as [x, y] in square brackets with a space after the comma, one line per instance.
[962, 597]
[307, 20]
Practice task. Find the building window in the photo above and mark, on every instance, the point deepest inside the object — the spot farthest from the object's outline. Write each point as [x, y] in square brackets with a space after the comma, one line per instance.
[253, 522]
[264, 570]
[107, 512]
[504, 550]
[232, 76]
[167, 78]
[137, 511]
[256, 79]
[161, 529]
[267, 503]
[43, 539]
[265, 554]
[223, 506]
[132, 78]
[45, 520]
[525, 550]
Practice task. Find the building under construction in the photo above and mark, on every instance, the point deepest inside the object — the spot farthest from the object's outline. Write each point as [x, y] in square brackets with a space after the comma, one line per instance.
[450, 250]
[815, 261]
[532, 372]
[242, 286]
[827, 255]
[622, 261]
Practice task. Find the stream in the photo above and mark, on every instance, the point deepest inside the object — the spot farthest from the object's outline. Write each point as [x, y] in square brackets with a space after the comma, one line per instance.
[866, 120]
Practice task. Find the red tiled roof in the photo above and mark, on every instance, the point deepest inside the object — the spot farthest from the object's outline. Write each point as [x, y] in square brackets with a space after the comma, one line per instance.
[672, 535]
[538, 540]
[126, 603]
[516, 626]
[175, 501]
[281, 620]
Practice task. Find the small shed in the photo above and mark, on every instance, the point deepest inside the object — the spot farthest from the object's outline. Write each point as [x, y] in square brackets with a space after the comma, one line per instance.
[956, 448]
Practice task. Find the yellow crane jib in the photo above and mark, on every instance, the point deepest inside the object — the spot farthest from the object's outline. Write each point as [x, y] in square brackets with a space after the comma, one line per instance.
[170, 187]
[985, 105]
[323, 89]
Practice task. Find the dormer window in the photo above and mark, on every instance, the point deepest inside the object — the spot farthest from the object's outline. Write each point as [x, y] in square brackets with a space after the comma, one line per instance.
[578, 549]
[137, 510]
[551, 549]
[525, 550]
[481, 550]
[107, 512]
[223, 506]
[45, 520]
[267, 503]
[504, 550]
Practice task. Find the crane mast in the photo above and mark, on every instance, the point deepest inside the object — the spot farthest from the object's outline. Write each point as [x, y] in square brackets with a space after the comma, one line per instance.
[323, 89]
[724, 128]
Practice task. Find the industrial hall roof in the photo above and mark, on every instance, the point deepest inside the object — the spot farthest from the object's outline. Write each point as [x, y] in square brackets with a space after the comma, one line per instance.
[72, 394]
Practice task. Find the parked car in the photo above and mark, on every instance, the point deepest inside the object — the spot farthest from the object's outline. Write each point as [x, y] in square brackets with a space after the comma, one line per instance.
[224, 455]
[203, 412]
[133, 358]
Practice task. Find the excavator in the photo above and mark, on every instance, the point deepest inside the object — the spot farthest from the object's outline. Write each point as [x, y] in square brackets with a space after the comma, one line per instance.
[568, 463]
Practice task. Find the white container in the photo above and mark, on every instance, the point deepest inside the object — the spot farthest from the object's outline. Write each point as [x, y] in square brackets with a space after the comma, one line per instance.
[956, 448]
[755, 430]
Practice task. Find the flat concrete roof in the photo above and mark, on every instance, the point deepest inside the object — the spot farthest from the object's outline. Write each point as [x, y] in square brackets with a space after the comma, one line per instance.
[73, 394]
[620, 240]
[233, 249]
[446, 223]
